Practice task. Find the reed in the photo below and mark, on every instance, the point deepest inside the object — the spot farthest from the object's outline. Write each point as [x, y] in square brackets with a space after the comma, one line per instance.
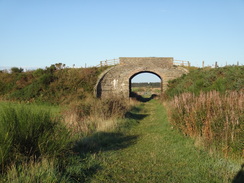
[92, 115]
[217, 119]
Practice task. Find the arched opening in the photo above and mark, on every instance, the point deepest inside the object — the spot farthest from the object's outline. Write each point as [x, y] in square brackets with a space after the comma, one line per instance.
[145, 85]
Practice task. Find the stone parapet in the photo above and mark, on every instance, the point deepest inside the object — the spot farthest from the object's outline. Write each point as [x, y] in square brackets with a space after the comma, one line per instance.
[116, 81]
[163, 62]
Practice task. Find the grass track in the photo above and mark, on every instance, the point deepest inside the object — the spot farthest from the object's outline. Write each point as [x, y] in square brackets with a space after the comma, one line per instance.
[159, 154]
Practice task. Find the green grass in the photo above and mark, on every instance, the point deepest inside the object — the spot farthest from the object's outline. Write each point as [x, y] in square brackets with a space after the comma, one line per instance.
[36, 146]
[29, 133]
[53, 85]
[143, 148]
[151, 151]
[207, 79]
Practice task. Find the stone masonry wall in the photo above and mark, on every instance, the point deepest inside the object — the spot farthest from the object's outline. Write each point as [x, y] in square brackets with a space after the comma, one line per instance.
[163, 62]
[116, 80]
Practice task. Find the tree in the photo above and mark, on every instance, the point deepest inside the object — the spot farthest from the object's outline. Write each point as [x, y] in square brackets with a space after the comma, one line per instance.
[16, 70]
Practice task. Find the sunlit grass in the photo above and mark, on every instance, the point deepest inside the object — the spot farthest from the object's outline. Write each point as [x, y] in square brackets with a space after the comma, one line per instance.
[151, 151]
[30, 133]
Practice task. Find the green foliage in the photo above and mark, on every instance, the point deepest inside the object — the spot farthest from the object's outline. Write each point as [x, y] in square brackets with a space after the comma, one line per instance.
[39, 72]
[151, 151]
[26, 133]
[207, 104]
[207, 79]
[120, 155]
[43, 171]
[16, 70]
[36, 147]
[55, 84]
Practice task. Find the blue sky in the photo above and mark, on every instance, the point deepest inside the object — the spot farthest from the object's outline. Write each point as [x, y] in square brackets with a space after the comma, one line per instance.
[38, 33]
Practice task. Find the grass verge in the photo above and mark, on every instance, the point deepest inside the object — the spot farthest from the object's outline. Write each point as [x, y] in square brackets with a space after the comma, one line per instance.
[151, 151]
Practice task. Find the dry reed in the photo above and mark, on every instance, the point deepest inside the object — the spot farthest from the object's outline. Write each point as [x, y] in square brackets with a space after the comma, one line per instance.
[94, 115]
[217, 119]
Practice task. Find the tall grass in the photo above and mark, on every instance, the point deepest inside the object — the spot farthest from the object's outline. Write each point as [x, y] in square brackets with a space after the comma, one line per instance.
[28, 134]
[92, 115]
[37, 146]
[216, 120]
[42, 171]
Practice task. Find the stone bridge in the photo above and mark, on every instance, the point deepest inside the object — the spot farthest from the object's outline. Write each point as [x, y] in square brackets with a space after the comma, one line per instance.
[116, 80]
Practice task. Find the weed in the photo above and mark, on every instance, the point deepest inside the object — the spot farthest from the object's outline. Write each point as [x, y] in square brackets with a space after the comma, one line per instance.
[92, 115]
[217, 119]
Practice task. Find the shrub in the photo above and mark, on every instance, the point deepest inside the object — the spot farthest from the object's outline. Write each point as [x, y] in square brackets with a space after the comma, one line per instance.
[39, 72]
[16, 70]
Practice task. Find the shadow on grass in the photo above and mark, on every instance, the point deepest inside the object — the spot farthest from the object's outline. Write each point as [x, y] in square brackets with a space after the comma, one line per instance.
[136, 109]
[141, 98]
[105, 141]
[84, 165]
[135, 116]
[99, 142]
[239, 178]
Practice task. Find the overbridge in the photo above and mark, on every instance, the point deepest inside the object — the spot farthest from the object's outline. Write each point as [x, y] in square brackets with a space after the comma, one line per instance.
[116, 80]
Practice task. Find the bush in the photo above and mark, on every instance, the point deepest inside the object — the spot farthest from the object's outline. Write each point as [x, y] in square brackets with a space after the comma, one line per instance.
[16, 70]
[39, 72]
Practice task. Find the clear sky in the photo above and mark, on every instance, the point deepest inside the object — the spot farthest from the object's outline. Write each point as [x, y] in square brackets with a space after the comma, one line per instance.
[38, 33]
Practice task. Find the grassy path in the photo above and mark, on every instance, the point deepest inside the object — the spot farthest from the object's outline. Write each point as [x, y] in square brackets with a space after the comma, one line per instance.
[158, 153]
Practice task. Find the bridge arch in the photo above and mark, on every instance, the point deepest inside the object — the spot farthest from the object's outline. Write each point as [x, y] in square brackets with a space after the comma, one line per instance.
[116, 81]
[142, 72]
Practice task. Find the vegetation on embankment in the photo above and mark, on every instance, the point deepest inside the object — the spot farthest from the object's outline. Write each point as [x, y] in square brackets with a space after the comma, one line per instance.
[55, 84]
[207, 79]
[208, 104]
[90, 142]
